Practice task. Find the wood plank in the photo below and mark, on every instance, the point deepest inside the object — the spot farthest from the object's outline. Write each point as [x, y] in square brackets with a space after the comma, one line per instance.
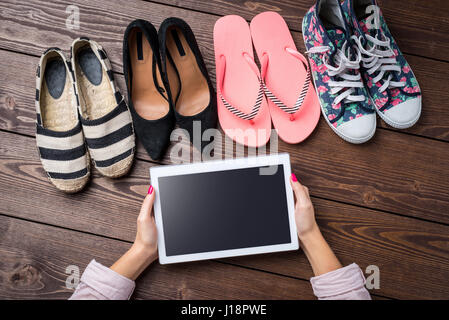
[423, 194]
[412, 256]
[35, 258]
[403, 248]
[394, 172]
[105, 22]
[420, 27]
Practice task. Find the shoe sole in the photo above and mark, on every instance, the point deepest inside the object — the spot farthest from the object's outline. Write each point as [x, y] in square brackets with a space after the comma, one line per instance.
[398, 125]
[118, 173]
[75, 188]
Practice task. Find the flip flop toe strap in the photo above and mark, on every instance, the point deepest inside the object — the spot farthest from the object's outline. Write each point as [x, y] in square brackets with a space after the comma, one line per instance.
[299, 101]
[241, 114]
[260, 95]
[270, 95]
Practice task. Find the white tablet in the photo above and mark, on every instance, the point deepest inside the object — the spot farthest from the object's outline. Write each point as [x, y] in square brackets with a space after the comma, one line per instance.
[224, 208]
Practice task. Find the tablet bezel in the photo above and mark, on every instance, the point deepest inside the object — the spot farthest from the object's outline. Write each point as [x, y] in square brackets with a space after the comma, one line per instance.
[224, 165]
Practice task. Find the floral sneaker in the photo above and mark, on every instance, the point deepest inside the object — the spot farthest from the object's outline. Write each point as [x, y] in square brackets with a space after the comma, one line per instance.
[345, 102]
[389, 79]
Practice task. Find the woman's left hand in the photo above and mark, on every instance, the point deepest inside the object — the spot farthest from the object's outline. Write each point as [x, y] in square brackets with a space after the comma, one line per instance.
[144, 249]
[146, 237]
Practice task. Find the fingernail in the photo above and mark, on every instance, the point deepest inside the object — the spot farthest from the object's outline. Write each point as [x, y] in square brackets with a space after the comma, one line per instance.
[294, 178]
[150, 190]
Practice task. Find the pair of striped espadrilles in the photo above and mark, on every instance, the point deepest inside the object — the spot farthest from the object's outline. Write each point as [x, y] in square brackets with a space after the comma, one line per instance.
[81, 115]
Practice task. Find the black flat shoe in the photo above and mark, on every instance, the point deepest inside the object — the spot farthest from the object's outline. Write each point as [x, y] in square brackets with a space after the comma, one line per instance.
[186, 76]
[148, 99]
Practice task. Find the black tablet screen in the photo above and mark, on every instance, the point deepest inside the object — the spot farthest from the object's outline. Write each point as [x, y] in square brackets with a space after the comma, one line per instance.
[223, 210]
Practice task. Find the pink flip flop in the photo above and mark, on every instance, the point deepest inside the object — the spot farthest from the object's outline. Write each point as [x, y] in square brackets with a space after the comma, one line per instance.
[293, 103]
[242, 107]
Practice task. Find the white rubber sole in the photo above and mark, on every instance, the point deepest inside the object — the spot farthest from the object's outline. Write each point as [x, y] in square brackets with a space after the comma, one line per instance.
[396, 124]
[349, 139]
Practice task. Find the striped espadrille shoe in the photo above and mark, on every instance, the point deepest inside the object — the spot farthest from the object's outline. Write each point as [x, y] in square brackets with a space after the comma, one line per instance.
[59, 137]
[105, 117]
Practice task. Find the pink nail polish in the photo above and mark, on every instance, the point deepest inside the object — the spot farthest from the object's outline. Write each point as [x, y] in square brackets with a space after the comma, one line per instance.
[150, 190]
[294, 178]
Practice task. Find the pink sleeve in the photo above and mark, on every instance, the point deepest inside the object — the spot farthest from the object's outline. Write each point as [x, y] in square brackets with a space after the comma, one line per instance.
[346, 283]
[101, 283]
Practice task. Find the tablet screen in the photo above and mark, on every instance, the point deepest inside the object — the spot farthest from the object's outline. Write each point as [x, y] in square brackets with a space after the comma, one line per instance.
[223, 210]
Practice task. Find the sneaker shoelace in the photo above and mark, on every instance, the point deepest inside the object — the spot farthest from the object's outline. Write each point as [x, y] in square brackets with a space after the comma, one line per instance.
[380, 57]
[346, 88]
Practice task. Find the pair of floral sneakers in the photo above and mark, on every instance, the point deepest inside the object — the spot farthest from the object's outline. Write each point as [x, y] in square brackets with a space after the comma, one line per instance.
[358, 69]
[81, 115]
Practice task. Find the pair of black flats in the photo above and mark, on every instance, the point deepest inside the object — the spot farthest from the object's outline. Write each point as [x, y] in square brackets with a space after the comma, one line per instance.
[167, 83]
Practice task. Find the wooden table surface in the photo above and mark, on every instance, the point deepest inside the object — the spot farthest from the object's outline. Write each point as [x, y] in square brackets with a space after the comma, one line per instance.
[384, 203]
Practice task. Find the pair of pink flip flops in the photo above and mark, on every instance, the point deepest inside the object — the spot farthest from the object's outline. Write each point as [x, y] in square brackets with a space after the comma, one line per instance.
[244, 113]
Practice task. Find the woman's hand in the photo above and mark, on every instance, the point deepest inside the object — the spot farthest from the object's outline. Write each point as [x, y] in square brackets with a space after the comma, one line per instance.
[144, 249]
[304, 212]
[320, 255]
[146, 237]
